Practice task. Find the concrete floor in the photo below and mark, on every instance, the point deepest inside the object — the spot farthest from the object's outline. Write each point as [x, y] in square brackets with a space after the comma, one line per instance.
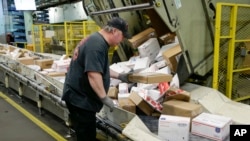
[14, 125]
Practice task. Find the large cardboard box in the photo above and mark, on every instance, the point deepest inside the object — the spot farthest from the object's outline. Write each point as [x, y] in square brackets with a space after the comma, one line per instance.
[141, 37]
[140, 103]
[211, 126]
[26, 60]
[181, 108]
[127, 104]
[150, 77]
[173, 128]
[170, 56]
[44, 63]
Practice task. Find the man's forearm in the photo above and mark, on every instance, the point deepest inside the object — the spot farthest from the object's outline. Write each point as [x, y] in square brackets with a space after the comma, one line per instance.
[113, 74]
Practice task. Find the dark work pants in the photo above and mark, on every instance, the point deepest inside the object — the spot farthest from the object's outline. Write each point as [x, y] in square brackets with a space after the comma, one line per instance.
[83, 122]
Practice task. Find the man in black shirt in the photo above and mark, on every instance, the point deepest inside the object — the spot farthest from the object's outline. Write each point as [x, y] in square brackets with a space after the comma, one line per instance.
[88, 78]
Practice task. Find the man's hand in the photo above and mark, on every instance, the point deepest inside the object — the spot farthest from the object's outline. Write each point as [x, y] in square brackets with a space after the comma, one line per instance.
[124, 77]
[108, 102]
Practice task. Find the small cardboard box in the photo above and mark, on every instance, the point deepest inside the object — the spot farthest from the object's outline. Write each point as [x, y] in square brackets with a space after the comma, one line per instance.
[211, 126]
[170, 54]
[150, 49]
[113, 92]
[181, 108]
[173, 128]
[246, 58]
[44, 63]
[141, 104]
[11, 48]
[3, 50]
[26, 60]
[167, 38]
[150, 77]
[49, 33]
[141, 64]
[127, 104]
[141, 37]
[56, 74]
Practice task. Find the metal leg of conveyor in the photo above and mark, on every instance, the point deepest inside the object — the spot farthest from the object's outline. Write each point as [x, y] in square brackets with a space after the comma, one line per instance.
[39, 103]
[20, 91]
[6, 80]
[70, 131]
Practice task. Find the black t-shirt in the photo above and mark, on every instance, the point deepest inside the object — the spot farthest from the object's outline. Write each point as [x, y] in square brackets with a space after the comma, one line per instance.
[90, 55]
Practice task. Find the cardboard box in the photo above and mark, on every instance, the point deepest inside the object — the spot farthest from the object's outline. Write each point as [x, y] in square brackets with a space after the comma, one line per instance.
[44, 63]
[49, 33]
[211, 126]
[246, 61]
[155, 104]
[56, 74]
[246, 58]
[150, 49]
[178, 94]
[60, 33]
[127, 104]
[181, 108]
[113, 92]
[167, 38]
[11, 48]
[173, 128]
[141, 64]
[141, 37]
[123, 96]
[16, 53]
[247, 44]
[141, 104]
[150, 77]
[123, 88]
[3, 50]
[26, 60]
[170, 54]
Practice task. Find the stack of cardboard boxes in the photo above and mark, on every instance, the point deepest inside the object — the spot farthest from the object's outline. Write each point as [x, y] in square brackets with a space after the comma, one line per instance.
[154, 90]
[47, 66]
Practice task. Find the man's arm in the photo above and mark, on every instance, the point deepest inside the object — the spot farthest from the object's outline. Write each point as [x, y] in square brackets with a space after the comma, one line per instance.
[122, 76]
[96, 82]
[113, 74]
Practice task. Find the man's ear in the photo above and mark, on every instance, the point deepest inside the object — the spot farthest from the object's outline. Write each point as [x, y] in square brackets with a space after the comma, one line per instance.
[113, 30]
